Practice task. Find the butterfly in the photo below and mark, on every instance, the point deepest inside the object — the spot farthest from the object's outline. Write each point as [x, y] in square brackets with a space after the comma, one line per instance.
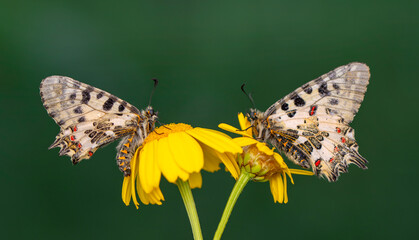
[311, 124]
[90, 118]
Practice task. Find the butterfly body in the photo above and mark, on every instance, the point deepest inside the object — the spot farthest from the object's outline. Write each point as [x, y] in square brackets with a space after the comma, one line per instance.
[311, 125]
[90, 118]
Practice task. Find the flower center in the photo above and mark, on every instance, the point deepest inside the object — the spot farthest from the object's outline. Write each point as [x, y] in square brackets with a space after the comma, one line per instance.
[165, 130]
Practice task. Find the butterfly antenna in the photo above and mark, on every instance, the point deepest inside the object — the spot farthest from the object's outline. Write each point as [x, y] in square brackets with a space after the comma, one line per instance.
[249, 95]
[156, 81]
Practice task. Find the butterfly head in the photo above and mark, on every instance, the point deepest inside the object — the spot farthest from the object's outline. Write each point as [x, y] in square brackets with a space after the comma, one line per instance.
[258, 123]
[151, 117]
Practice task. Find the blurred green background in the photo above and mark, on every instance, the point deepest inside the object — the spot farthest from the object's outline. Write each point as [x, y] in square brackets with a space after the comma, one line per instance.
[202, 51]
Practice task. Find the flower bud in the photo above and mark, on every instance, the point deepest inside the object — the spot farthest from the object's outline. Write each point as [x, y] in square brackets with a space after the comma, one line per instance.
[258, 163]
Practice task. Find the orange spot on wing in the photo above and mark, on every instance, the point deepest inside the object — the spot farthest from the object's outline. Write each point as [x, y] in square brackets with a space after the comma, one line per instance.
[124, 151]
[122, 157]
[126, 144]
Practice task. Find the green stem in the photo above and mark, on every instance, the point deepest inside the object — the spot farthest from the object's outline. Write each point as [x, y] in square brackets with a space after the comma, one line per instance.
[234, 195]
[186, 193]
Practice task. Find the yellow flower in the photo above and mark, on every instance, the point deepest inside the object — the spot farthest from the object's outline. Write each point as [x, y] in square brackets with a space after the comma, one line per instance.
[178, 152]
[261, 162]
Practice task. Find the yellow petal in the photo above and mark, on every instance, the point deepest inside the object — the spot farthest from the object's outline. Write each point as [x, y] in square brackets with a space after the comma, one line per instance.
[149, 172]
[280, 188]
[155, 174]
[186, 151]
[214, 140]
[274, 189]
[244, 124]
[288, 172]
[285, 187]
[233, 129]
[280, 160]
[219, 133]
[146, 156]
[195, 180]
[228, 128]
[301, 172]
[154, 196]
[134, 175]
[167, 164]
[277, 188]
[229, 161]
[126, 190]
[211, 160]
[143, 196]
[264, 148]
[245, 141]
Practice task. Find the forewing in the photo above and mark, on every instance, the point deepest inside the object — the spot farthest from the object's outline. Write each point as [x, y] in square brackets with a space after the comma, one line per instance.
[88, 117]
[311, 124]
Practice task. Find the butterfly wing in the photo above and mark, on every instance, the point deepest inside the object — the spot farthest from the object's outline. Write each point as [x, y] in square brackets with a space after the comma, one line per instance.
[88, 117]
[311, 124]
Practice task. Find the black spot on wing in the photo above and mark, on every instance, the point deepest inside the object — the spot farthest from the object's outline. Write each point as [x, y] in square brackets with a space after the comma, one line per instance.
[315, 142]
[92, 134]
[334, 101]
[320, 137]
[78, 110]
[307, 89]
[323, 90]
[284, 106]
[61, 122]
[335, 86]
[291, 113]
[73, 96]
[122, 106]
[299, 102]
[81, 119]
[331, 111]
[52, 114]
[109, 103]
[99, 95]
[86, 95]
